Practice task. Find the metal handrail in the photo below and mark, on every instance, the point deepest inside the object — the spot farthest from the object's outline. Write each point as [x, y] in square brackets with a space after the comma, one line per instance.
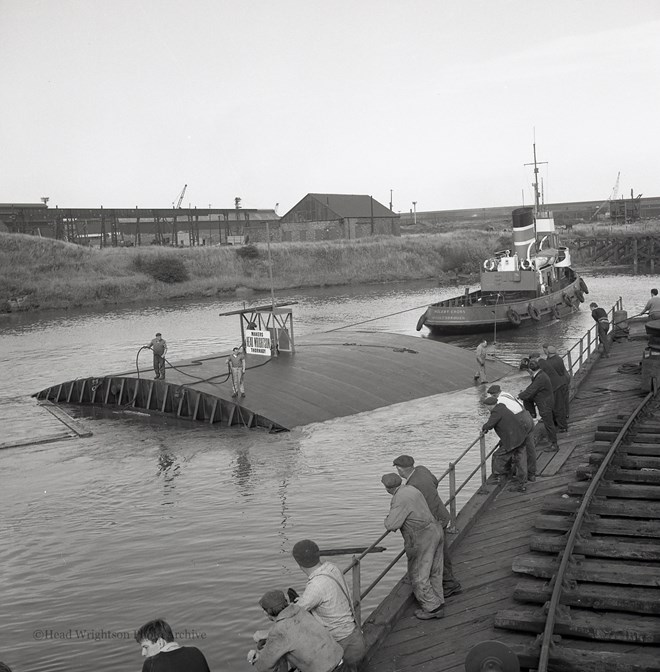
[354, 565]
[586, 346]
[548, 631]
[590, 339]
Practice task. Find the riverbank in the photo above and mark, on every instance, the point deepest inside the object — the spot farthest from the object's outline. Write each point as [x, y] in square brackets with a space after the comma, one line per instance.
[51, 274]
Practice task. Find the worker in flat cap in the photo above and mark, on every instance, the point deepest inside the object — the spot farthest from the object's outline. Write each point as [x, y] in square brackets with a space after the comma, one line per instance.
[158, 346]
[557, 381]
[562, 397]
[296, 638]
[327, 598]
[538, 395]
[509, 457]
[425, 481]
[423, 544]
[523, 416]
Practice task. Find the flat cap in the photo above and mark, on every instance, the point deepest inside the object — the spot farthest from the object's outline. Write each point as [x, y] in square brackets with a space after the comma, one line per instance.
[404, 461]
[494, 388]
[273, 599]
[306, 553]
[490, 401]
[391, 480]
[535, 355]
[551, 350]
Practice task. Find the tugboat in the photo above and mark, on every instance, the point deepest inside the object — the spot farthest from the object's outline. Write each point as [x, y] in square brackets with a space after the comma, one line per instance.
[534, 284]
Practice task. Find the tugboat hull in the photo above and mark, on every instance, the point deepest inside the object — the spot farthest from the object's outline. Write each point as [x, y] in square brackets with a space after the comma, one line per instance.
[467, 314]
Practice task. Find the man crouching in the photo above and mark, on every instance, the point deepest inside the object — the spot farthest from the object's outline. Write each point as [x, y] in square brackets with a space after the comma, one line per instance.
[296, 637]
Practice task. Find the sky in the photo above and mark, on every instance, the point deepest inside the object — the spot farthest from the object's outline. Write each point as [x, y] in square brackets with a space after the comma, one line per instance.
[119, 103]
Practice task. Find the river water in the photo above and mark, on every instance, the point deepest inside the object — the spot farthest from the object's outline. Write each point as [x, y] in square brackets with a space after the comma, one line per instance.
[146, 519]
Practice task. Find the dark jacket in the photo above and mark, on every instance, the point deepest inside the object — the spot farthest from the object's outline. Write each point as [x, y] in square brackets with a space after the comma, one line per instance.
[555, 379]
[539, 392]
[599, 314]
[557, 364]
[507, 427]
[422, 479]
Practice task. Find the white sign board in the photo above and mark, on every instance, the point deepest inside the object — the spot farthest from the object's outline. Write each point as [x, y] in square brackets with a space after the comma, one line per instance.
[257, 342]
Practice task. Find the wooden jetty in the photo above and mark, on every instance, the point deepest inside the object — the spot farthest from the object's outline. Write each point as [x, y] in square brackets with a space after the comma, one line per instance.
[500, 548]
[631, 250]
[330, 375]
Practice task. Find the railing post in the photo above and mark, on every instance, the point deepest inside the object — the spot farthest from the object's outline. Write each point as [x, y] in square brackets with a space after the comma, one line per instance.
[452, 493]
[482, 458]
[357, 590]
[582, 351]
[570, 362]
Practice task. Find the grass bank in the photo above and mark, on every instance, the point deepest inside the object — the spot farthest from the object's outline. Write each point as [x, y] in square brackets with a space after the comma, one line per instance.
[54, 274]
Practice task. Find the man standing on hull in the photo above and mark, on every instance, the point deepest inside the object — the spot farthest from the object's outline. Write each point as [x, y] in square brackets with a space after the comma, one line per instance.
[422, 541]
[480, 354]
[236, 366]
[422, 479]
[159, 348]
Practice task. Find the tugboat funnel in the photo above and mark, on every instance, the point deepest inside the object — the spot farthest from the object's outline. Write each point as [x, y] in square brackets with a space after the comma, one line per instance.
[524, 234]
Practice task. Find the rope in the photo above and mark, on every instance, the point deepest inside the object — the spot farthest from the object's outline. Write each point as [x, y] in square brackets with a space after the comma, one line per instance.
[381, 317]
[359, 345]
[633, 369]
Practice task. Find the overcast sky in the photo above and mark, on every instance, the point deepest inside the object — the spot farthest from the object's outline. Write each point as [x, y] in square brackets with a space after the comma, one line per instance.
[121, 102]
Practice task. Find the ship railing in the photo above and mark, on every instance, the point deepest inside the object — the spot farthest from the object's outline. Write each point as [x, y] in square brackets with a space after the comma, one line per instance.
[450, 473]
[576, 357]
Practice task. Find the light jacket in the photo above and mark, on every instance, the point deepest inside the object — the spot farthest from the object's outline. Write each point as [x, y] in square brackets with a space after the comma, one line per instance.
[302, 641]
[409, 513]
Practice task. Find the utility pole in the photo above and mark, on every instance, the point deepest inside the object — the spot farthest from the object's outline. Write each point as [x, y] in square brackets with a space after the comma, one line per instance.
[414, 212]
[391, 199]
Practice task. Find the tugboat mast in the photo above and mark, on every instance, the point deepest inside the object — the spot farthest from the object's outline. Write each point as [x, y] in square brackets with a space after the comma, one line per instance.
[535, 184]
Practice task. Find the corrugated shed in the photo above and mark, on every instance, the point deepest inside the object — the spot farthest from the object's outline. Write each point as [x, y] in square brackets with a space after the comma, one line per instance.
[326, 207]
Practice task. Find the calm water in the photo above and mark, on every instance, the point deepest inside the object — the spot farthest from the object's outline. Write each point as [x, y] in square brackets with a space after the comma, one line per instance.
[146, 519]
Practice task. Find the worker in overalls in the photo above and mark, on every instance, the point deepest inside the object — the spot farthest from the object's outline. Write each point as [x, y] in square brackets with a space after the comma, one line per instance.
[159, 348]
[236, 366]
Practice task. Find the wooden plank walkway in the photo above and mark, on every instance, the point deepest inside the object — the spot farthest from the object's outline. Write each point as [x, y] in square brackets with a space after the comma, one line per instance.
[484, 557]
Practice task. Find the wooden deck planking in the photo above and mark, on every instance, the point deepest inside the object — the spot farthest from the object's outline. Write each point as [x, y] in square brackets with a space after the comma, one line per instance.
[483, 559]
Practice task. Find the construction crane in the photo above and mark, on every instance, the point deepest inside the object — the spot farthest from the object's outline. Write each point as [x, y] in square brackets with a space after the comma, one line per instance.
[181, 195]
[613, 196]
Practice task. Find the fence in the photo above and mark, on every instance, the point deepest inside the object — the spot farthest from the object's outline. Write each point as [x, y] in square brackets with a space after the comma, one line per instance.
[575, 357]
